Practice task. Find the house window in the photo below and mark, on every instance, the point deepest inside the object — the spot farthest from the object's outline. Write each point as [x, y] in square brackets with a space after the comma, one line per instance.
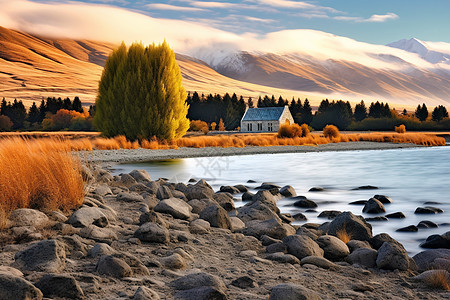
[249, 127]
[270, 127]
[259, 126]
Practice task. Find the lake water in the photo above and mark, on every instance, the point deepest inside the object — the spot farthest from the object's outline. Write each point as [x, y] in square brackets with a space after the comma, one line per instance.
[410, 177]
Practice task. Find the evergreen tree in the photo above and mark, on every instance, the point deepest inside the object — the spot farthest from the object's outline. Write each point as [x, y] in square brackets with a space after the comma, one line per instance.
[360, 111]
[92, 110]
[405, 112]
[33, 114]
[375, 110]
[307, 115]
[67, 104]
[421, 112]
[281, 102]
[250, 102]
[17, 113]
[3, 107]
[42, 111]
[266, 101]
[140, 94]
[272, 102]
[323, 106]
[439, 113]
[76, 105]
[260, 102]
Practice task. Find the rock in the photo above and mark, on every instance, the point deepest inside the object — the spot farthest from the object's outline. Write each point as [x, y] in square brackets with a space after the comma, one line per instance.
[201, 293]
[225, 200]
[355, 226]
[392, 256]
[437, 241]
[44, 256]
[197, 280]
[153, 186]
[377, 219]
[129, 197]
[365, 187]
[410, 228]
[174, 261]
[200, 190]
[302, 202]
[244, 282]
[241, 188]
[276, 247]
[267, 186]
[362, 287]
[152, 233]
[127, 180]
[316, 189]
[329, 214]
[283, 258]
[102, 190]
[378, 240]
[248, 253]
[432, 259]
[137, 267]
[216, 216]
[334, 248]
[175, 207]
[434, 278]
[302, 246]
[63, 286]
[247, 196]
[374, 206]
[288, 191]
[267, 198]
[86, 173]
[58, 216]
[290, 291]
[355, 244]
[12, 287]
[428, 210]
[100, 250]
[27, 217]
[257, 210]
[200, 226]
[86, 216]
[310, 232]
[98, 234]
[140, 176]
[364, 257]
[236, 224]
[113, 266]
[73, 245]
[318, 261]
[396, 215]
[199, 205]
[144, 293]
[299, 217]
[383, 199]
[273, 228]
[164, 192]
[267, 240]
[229, 189]
[427, 224]
[6, 270]
[358, 202]
[153, 217]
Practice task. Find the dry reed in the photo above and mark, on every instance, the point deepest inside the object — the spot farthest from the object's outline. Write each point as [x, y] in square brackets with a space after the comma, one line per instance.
[40, 174]
[343, 235]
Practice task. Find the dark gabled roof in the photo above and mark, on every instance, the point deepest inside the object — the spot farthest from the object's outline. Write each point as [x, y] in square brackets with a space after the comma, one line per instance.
[263, 114]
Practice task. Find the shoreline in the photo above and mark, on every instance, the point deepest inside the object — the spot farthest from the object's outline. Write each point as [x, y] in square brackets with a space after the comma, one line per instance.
[142, 155]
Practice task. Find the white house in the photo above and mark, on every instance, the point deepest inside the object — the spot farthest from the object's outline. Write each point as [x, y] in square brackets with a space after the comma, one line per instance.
[265, 119]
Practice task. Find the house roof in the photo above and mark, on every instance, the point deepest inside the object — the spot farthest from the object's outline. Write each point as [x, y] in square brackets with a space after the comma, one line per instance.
[263, 114]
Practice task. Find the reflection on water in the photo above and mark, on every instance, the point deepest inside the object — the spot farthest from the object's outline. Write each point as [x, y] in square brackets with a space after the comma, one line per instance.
[410, 177]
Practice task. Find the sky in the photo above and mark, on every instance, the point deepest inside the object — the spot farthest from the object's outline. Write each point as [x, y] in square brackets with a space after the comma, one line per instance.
[371, 21]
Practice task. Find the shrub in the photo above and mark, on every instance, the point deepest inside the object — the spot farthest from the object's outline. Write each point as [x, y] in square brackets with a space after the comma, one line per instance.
[197, 125]
[5, 123]
[331, 131]
[305, 130]
[289, 131]
[221, 125]
[140, 94]
[40, 174]
[400, 129]
[213, 126]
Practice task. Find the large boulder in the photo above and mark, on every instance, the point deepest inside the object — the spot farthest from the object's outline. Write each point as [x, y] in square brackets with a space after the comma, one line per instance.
[175, 207]
[12, 287]
[44, 256]
[129, 197]
[433, 259]
[97, 233]
[225, 200]
[273, 228]
[436, 241]
[392, 256]
[229, 189]
[86, 216]
[288, 191]
[100, 250]
[377, 241]
[201, 293]
[428, 210]
[154, 217]
[355, 226]
[27, 217]
[144, 293]
[267, 198]
[318, 261]
[383, 199]
[140, 176]
[374, 206]
[197, 280]
[333, 248]
[290, 291]
[283, 258]
[164, 192]
[113, 266]
[302, 246]
[62, 286]
[365, 257]
[200, 190]
[152, 233]
[216, 216]
[303, 202]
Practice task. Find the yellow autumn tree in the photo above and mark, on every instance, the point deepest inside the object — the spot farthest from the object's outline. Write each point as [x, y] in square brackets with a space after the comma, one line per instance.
[140, 94]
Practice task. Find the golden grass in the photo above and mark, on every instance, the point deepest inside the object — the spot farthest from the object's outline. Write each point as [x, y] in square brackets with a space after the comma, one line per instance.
[331, 132]
[400, 128]
[343, 235]
[439, 279]
[40, 174]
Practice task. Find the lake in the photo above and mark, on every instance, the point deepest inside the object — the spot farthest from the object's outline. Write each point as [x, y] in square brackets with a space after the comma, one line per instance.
[410, 177]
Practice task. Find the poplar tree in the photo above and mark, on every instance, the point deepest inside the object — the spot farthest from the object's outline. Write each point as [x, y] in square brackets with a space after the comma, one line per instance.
[140, 94]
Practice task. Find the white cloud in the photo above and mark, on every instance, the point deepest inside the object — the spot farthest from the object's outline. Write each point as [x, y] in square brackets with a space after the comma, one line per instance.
[253, 19]
[211, 4]
[294, 4]
[163, 6]
[371, 19]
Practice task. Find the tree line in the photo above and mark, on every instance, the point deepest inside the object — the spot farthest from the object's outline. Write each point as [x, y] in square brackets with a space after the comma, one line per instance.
[52, 114]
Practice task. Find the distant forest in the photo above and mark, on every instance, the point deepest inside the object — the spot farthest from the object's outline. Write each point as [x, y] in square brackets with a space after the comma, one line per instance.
[64, 114]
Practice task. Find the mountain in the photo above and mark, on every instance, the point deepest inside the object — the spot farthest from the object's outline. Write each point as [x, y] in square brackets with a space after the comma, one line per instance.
[405, 74]
[424, 50]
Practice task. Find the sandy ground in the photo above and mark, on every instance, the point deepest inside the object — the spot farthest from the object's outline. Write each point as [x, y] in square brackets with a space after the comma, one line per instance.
[138, 155]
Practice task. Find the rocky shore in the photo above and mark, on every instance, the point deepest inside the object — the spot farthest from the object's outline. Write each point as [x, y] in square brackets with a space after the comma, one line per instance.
[138, 238]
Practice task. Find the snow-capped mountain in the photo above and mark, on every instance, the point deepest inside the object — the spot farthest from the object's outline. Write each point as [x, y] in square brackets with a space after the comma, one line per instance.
[425, 50]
